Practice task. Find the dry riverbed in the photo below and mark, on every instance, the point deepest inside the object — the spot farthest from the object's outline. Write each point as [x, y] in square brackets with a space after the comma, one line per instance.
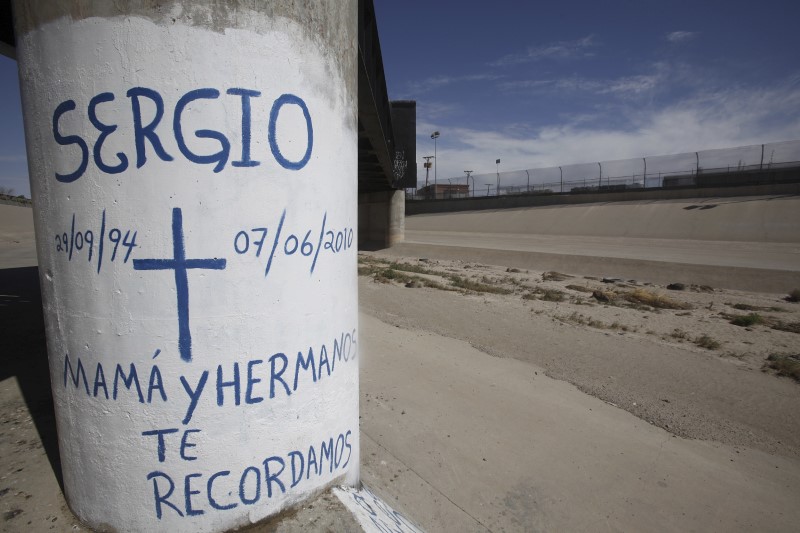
[698, 361]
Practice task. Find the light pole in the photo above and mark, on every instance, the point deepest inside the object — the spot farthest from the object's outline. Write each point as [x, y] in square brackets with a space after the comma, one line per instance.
[528, 187]
[434, 136]
[498, 176]
[644, 176]
[488, 185]
[468, 172]
[427, 159]
[561, 187]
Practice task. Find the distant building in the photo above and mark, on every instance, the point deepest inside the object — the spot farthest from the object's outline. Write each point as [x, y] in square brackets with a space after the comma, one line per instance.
[442, 192]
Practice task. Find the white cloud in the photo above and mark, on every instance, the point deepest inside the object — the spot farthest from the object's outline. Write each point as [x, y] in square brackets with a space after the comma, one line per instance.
[631, 85]
[680, 36]
[435, 110]
[556, 50]
[709, 120]
[422, 86]
[624, 86]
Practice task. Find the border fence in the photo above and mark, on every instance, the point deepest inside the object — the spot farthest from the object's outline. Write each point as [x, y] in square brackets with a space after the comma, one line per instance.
[742, 165]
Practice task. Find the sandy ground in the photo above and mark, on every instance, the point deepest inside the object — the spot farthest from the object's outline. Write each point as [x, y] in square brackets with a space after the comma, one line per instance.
[17, 240]
[472, 442]
[506, 399]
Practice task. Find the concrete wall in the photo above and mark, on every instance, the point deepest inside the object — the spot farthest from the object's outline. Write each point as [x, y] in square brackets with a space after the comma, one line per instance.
[504, 202]
[193, 170]
[381, 219]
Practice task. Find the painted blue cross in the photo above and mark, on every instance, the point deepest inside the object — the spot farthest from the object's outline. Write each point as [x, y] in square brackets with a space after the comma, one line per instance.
[180, 265]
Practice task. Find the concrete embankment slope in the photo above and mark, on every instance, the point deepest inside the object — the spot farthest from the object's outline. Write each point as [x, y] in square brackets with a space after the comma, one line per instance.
[748, 243]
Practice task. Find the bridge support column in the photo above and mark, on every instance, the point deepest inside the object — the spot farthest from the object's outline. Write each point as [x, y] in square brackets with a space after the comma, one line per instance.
[381, 218]
[192, 168]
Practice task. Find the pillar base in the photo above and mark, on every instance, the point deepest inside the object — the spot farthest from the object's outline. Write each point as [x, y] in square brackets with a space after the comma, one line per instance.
[381, 219]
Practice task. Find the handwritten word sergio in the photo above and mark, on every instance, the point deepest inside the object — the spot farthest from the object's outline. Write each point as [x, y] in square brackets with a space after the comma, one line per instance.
[330, 240]
[250, 382]
[75, 241]
[144, 134]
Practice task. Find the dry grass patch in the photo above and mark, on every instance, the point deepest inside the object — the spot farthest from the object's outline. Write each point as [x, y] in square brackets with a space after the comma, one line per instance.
[748, 307]
[474, 286]
[678, 333]
[784, 365]
[704, 341]
[581, 320]
[548, 295]
[746, 321]
[408, 267]
[555, 276]
[791, 327]
[579, 288]
[654, 299]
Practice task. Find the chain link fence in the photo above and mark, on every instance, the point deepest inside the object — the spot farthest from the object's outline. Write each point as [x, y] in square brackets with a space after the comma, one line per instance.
[742, 165]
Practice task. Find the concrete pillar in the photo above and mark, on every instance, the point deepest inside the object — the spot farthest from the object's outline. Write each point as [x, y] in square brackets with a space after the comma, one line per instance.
[193, 169]
[381, 218]
[397, 217]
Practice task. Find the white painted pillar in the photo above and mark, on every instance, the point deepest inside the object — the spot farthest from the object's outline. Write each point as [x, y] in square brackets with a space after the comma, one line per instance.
[193, 169]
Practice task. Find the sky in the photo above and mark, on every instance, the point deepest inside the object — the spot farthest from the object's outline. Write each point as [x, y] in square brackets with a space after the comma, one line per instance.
[538, 84]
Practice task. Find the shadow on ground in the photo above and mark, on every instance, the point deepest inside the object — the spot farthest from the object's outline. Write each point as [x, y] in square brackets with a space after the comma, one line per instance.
[23, 353]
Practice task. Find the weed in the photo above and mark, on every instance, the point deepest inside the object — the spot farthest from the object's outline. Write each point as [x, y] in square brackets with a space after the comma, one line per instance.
[791, 327]
[678, 333]
[552, 295]
[579, 288]
[389, 274]
[747, 320]
[548, 295]
[784, 364]
[654, 299]
[592, 323]
[704, 341]
[579, 319]
[747, 307]
[794, 296]
[369, 259]
[555, 276]
[408, 267]
[603, 296]
[469, 285]
[365, 271]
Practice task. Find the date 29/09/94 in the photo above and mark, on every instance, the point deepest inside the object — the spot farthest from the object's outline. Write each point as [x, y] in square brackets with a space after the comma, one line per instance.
[69, 243]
